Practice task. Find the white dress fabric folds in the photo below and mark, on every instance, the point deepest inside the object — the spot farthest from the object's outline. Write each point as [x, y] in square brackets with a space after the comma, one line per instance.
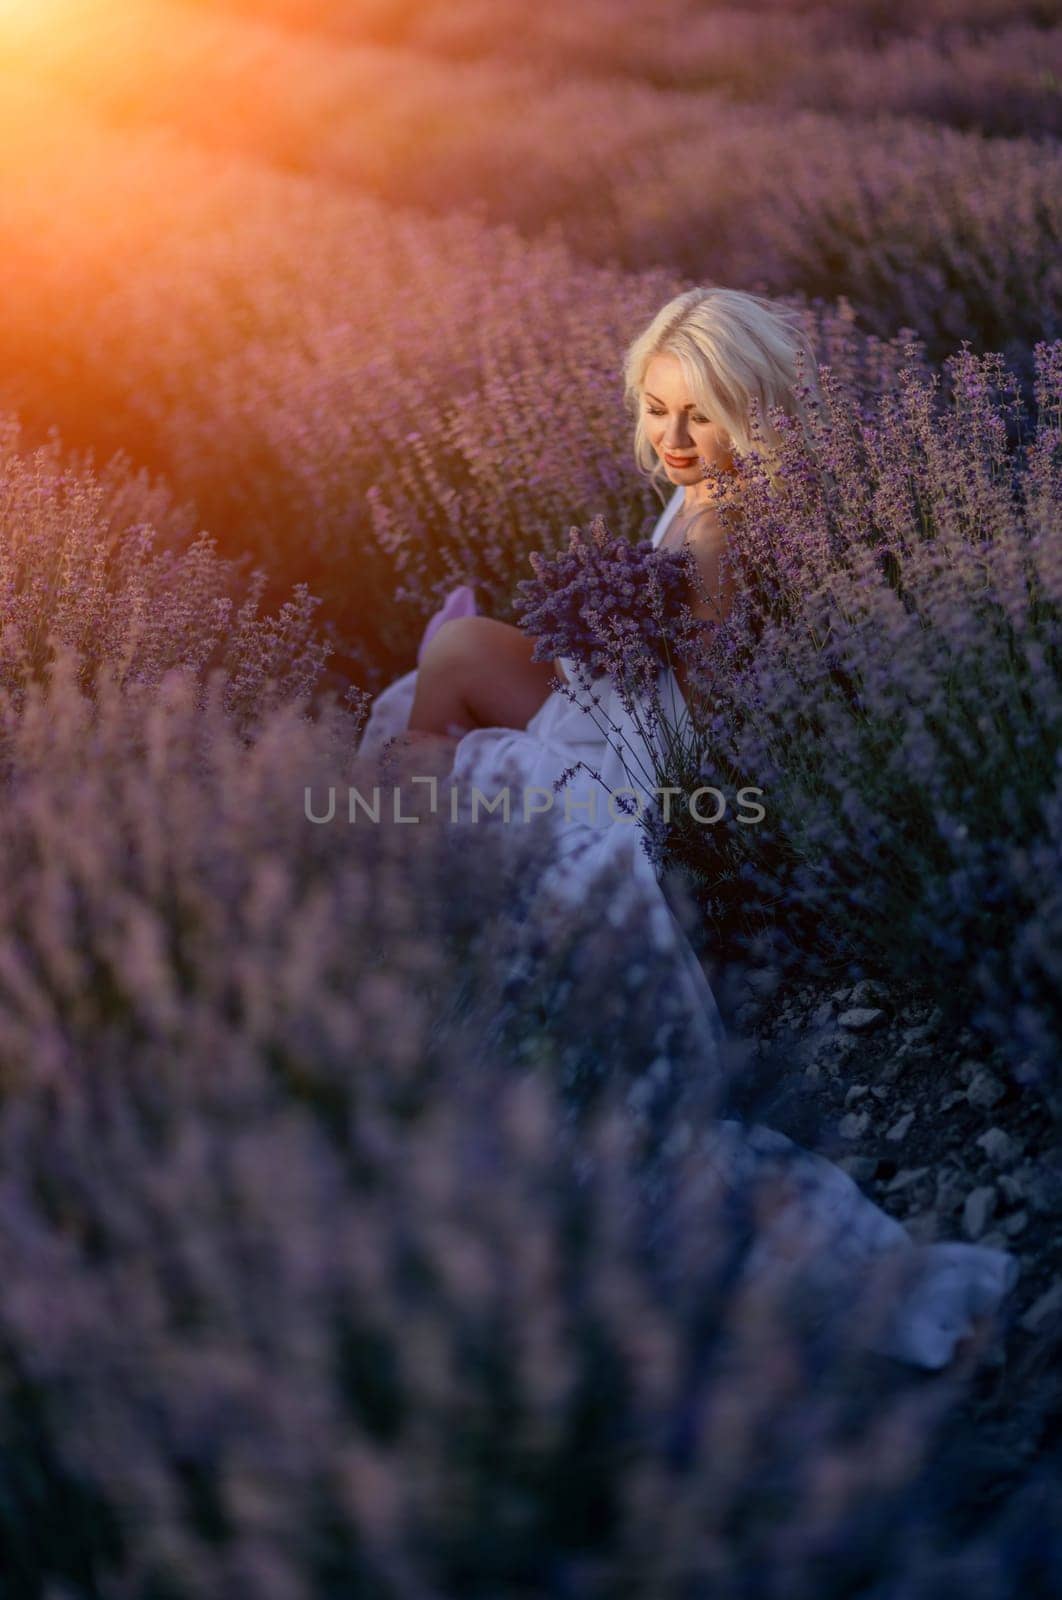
[938, 1290]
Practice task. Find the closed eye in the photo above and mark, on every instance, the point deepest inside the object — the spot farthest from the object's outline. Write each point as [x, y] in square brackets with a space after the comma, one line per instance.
[658, 411]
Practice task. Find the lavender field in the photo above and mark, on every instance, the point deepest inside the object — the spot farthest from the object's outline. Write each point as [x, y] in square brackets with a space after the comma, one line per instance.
[355, 1239]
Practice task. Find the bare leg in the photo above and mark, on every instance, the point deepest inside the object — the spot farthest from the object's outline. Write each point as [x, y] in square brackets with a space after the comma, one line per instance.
[478, 673]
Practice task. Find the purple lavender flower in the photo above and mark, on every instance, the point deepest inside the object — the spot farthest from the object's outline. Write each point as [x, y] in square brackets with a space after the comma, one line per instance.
[618, 609]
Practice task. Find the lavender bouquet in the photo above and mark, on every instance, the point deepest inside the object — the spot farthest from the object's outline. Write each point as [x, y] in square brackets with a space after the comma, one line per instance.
[617, 609]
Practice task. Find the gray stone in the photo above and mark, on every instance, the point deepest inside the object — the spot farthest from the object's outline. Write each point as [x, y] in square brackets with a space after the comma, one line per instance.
[1012, 1187]
[1041, 1187]
[925, 1031]
[985, 1088]
[953, 1099]
[999, 1147]
[857, 1092]
[1016, 1224]
[763, 982]
[950, 1193]
[854, 1125]
[861, 1019]
[905, 1178]
[901, 1129]
[820, 1049]
[1044, 1310]
[822, 1016]
[979, 1209]
[840, 996]
[868, 992]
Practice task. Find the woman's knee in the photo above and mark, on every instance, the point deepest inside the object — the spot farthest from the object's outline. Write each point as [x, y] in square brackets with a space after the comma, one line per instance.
[480, 668]
[459, 642]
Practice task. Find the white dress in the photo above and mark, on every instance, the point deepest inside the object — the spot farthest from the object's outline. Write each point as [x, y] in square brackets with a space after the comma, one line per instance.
[937, 1289]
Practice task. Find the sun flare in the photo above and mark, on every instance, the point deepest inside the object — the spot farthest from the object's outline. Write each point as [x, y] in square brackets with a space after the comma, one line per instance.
[20, 10]
[22, 19]
[40, 20]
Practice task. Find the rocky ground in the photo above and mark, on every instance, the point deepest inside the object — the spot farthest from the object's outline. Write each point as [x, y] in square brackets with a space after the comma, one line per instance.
[933, 1126]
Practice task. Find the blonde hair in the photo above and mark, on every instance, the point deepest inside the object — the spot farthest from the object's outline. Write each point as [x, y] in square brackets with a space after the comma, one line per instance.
[735, 349]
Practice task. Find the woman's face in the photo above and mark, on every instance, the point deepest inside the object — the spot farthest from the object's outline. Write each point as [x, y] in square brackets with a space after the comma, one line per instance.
[682, 435]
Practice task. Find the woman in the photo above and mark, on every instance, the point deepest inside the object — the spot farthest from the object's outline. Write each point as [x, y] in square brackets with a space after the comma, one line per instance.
[477, 698]
[479, 708]
[691, 379]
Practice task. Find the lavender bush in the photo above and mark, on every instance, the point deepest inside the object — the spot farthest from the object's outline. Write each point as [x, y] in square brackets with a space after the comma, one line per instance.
[1007, 82]
[82, 566]
[929, 227]
[478, 496]
[890, 676]
[751, 49]
[224, 351]
[870, 19]
[995, 72]
[356, 1231]
[287, 456]
[310, 1285]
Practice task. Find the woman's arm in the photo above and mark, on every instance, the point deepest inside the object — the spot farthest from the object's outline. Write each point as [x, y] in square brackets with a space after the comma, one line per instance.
[713, 590]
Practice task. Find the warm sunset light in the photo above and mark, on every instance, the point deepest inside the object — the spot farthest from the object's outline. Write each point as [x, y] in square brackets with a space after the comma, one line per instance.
[30, 30]
[27, 15]
[530, 799]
